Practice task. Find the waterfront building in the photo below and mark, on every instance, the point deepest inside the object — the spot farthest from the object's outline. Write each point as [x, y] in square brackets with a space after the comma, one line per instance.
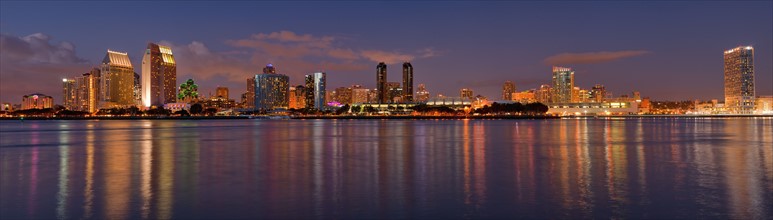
[507, 90]
[315, 90]
[422, 95]
[36, 101]
[527, 96]
[764, 105]
[343, 95]
[381, 82]
[271, 89]
[456, 103]
[394, 92]
[407, 95]
[594, 108]
[249, 102]
[544, 94]
[87, 95]
[7, 107]
[137, 90]
[116, 80]
[219, 103]
[159, 76]
[598, 93]
[69, 94]
[177, 106]
[739, 80]
[563, 84]
[297, 97]
[466, 93]
[222, 92]
[359, 94]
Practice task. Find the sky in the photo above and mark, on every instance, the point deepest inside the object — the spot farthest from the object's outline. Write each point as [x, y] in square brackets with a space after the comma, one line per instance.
[665, 50]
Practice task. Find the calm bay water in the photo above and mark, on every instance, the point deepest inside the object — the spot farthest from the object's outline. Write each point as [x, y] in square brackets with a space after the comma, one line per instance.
[352, 169]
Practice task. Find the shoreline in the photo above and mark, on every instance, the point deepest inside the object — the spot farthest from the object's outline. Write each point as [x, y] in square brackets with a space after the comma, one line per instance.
[378, 117]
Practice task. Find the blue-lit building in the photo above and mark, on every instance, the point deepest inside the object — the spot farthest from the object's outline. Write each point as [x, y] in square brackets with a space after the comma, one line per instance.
[315, 90]
[271, 89]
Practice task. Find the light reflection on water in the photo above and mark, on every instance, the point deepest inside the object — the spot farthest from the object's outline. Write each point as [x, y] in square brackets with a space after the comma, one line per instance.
[634, 168]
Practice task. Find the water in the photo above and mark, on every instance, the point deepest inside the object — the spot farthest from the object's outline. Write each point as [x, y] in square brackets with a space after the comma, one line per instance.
[353, 169]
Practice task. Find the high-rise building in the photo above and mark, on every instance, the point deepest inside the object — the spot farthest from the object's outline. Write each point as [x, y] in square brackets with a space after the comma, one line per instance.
[381, 82]
[137, 90]
[117, 80]
[271, 89]
[159, 76]
[222, 92]
[598, 93]
[739, 80]
[584, 96]
[507, 90]
[563, 84]
[249, 102]
[466, 93]
[359, 94]
[298, 97]
[407, 82]
[544, 94]
[70, 94]
[576, 94]
[344, 95]
[36, 100]
[315, 90]
[88, 90]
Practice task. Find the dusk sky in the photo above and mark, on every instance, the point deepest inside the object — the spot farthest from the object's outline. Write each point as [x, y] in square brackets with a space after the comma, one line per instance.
[665, 50]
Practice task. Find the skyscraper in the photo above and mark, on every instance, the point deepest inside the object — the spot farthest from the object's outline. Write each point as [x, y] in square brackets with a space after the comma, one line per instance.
[88, 90]
[359, 94]
[250, 95]
[315, 90]
[407, 82]
[466, 93]
[70, 94]
[159, 76]
[507, 90]
[563, 84]
[117, 80]
[381, 81]
[739, 80]
[271, 89]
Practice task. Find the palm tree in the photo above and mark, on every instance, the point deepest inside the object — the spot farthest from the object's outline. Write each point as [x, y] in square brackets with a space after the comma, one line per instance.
[188, 91]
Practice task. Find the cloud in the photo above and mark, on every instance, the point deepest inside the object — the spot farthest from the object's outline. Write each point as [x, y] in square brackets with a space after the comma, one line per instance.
[591, 57]
[34, 63]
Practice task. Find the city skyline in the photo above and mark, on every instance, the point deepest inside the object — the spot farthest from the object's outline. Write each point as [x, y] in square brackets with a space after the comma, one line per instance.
[347, 53]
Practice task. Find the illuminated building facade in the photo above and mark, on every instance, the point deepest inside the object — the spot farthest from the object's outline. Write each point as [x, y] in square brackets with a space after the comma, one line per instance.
[343, 95]
[527, 96]
[298, 97]
[315, 90]
[360, 94]
[69, 94]
[466, 93]
[381, 82]
[250, 95]
[563, 84]
[394, 92]
[598, 93]
[36, 101]
[87, 94]
[271, 89]
[407, 82]
[739, 80]
[222, 92]
[116, 80]
[544, 94]
[764, 105]
[507, 90]
[422, 95]
[159, 76]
